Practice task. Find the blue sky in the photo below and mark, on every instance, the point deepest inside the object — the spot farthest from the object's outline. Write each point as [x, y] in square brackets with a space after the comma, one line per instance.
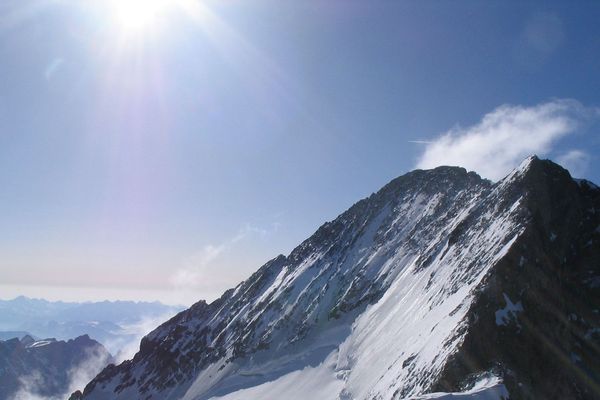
[170, 160]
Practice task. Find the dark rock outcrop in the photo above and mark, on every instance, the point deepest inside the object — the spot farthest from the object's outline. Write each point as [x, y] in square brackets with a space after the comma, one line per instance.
[46, 368]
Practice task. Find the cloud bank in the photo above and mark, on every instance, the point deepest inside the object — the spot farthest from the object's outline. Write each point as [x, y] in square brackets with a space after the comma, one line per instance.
[507, 135]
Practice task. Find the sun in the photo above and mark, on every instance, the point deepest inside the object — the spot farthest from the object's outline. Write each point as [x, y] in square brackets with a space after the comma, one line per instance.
[137, 15]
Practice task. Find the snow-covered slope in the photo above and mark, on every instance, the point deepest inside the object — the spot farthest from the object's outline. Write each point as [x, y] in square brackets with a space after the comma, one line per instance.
[386, 301]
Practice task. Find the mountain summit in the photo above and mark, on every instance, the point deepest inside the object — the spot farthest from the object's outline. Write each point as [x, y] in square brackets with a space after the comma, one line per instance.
[440, 282]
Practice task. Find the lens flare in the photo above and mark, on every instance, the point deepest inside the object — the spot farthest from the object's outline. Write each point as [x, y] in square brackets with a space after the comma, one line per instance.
[135, 15]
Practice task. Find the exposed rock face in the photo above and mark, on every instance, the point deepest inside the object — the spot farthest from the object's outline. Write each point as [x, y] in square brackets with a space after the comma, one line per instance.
[436, 279]
[544, 337]
[46, 368]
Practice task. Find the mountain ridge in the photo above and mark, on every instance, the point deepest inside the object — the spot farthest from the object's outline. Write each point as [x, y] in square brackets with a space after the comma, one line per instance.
[48, 368]
[436, 235]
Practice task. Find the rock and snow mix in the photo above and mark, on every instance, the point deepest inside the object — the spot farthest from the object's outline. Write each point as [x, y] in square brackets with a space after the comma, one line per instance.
[377, 304]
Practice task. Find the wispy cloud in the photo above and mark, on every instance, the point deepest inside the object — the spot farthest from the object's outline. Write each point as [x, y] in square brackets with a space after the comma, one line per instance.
[248, 230]
[576, 161]
[506, 135]
[420, 141]
[82, 374]
[542, 35]
[195, 266]
[200, 270]
[53, 68]
[32, 385]
[138, 330]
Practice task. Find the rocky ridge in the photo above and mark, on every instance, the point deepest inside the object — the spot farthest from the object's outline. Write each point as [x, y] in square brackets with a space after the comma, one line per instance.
[435, 282]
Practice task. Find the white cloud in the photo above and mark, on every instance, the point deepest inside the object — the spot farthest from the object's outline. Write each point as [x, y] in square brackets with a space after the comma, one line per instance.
[505, 136]
[30, 386]
[195, 266]
[35, 383]
[576, 161]
[82, 374]
[247, 230]
[201, 270]
[138, 330]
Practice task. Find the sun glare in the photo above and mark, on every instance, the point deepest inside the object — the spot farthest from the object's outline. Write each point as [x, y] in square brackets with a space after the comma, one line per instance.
[136, 15]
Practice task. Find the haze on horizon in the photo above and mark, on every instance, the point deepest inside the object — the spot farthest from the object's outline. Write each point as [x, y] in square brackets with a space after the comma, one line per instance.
[166, 150]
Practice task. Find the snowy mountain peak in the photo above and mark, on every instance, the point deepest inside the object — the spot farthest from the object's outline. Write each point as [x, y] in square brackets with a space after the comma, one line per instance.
[427, 285]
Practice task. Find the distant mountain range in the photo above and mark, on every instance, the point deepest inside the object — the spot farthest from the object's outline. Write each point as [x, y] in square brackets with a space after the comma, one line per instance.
[6, 335]
[117, 325]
